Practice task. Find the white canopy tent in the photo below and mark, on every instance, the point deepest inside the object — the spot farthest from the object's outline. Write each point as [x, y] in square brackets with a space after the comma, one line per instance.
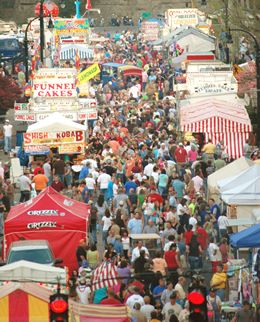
[228, 171]
[55, 123]
[247, 193]
[236, 181]
[33, 272]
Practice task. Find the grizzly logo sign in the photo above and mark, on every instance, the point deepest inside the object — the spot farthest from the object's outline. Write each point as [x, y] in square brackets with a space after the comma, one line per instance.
[42, 224]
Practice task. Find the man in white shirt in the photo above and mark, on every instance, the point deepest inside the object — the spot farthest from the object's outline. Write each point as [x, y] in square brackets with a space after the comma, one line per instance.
[222, 225]
[179, 288]
[47, 171]
[171, 308]
[25, 187]
[148, 169]
[135, 298]
[193, 222]
[8, 131]
[198, 182]
[137, 249]
[147, 308]
[90, 183]
[103, 180]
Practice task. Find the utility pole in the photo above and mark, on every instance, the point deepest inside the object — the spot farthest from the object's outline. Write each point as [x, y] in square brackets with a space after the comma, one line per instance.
[42, 41]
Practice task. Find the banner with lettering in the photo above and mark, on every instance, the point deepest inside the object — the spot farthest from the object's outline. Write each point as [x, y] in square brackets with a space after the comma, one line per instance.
[54, 138]
[88, 73]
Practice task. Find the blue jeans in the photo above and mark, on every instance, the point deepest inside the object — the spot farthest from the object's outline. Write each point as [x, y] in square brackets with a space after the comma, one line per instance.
[8, 144]
[104, 236]
[61, 177]
[221, 293]
[162, 190]
[194, 262]
[94, 232]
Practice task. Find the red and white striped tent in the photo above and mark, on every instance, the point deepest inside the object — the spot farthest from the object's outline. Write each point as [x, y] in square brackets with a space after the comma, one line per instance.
[218, 120]
[105, 275]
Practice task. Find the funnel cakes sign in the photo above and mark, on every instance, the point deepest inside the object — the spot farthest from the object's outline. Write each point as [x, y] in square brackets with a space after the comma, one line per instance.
[55, 82]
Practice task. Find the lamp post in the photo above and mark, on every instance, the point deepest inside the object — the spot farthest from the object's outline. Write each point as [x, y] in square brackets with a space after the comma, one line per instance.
[26, 53]
[257, 63]
[42, 43]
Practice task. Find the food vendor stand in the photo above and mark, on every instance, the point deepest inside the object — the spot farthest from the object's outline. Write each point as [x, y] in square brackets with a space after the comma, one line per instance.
[53, 217]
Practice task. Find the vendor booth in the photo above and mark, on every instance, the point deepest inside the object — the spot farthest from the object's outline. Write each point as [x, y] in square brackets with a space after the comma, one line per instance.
[228, 171]
[53, 217]
[218, 120]
[56, 131]
[246, 238]
[241, 193]
[24, 302]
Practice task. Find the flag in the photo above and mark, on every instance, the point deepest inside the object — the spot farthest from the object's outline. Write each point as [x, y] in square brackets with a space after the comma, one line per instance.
[105, 275]
[77, 59]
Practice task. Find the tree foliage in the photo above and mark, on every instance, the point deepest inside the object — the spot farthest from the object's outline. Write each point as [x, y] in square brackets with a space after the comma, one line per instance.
[9, 93]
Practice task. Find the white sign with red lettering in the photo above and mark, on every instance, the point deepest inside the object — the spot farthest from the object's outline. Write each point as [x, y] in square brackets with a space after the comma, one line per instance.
[55, 82]
[30, 117]
[53, 138]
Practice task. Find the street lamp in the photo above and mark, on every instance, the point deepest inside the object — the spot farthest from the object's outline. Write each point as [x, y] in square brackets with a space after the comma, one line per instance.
[26, 51]
[257, 63]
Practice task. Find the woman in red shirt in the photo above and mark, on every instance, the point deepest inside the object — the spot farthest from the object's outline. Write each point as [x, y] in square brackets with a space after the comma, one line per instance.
[172, 259]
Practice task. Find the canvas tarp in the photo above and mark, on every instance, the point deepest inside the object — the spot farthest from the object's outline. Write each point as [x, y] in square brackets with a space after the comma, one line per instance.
[55, 123]
[28, 271]
[246, 238]
[53, 217]
[228, 171]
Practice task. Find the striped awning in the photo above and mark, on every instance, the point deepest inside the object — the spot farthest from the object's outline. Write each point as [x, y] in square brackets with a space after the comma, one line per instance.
[68, 52]
[219, 121]
[98, 312]
[105, 275]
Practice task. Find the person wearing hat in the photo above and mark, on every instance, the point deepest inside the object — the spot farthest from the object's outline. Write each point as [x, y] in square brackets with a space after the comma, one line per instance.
[8, 131]
[83, 291]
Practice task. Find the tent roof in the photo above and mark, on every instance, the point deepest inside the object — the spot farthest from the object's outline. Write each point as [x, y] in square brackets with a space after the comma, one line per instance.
[247, 193]
[55, 123]
[207, 109]
[246, 238]
[29, 271]
[49, 205]
[240, 178]
[228, 171]
[30, 288]
[184, 31]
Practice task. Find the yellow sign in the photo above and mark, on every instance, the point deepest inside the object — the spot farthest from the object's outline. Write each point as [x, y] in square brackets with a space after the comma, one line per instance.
[88, 73]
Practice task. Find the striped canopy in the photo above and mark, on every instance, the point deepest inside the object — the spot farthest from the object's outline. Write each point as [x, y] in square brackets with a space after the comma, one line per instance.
[219, 121]
[24, 302]
[68, 52]
[105, 275]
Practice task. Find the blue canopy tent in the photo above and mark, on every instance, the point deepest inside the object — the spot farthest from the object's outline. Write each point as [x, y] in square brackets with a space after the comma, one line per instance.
[249, 238]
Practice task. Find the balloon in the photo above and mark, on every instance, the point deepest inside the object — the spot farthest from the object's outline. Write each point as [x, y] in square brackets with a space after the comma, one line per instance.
[49, 9]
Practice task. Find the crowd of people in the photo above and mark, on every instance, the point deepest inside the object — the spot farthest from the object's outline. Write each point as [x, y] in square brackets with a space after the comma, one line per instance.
[142, 176]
